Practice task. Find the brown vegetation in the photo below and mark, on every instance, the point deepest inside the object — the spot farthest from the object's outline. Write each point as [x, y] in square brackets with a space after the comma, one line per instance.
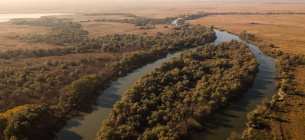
[282, 117]
[8, 28]
[291, 111]
[286, 119]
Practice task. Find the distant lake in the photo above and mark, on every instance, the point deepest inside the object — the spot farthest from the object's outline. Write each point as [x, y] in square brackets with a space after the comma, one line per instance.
[8, 17]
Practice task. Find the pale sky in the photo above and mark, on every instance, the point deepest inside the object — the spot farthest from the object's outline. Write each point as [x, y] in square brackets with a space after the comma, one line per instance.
[84, 6]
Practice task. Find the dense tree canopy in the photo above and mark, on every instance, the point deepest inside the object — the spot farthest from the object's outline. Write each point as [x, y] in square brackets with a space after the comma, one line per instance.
[180, 94]
[28, 122]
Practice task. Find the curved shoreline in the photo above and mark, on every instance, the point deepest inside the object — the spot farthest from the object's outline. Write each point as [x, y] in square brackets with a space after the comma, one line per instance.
[10, 17]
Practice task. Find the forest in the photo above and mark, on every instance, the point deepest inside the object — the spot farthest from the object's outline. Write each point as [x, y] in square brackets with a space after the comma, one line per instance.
[179, 96]
[72, 73]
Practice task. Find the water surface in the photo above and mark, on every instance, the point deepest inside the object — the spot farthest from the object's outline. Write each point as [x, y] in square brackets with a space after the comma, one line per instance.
[86, 127]
[175, 22]
[8, 17]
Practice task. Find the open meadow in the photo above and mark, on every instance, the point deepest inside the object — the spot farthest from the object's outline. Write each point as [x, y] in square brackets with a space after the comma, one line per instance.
[8, 28]
[97, 29]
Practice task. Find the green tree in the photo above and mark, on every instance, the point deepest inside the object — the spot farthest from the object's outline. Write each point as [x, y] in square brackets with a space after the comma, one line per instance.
[32, 122]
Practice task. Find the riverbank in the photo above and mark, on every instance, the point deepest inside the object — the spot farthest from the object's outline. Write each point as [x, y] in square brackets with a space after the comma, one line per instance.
[281, 118]
[234, 116]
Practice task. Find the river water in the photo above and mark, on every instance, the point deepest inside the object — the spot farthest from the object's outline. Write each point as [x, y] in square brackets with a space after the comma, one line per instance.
[233, 118]
[175, 22]
[86, 127]
[8, 17]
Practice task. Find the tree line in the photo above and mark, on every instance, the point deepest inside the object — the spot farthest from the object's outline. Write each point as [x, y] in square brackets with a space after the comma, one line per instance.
[190, 16]
[111, 14]
[142, 21]
[63, 31]
[80, 43]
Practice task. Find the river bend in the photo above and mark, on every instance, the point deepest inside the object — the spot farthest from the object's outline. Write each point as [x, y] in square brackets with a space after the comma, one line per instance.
[232, 118]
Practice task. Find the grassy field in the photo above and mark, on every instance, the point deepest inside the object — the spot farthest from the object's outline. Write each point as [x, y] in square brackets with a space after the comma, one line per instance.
[8, 28]
[285, 31]
[103, 28]
[294, 126]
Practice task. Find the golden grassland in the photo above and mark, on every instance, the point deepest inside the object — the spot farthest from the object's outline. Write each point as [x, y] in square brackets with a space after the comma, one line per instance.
[8, 28]
[97, 29]
[285, 31]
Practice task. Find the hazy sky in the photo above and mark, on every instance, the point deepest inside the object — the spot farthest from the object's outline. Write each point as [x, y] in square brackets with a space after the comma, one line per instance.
[84, 6]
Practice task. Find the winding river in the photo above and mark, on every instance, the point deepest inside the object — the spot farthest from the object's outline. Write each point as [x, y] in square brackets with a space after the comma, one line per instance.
[232, 118]
[175, 22]
[86, 127]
